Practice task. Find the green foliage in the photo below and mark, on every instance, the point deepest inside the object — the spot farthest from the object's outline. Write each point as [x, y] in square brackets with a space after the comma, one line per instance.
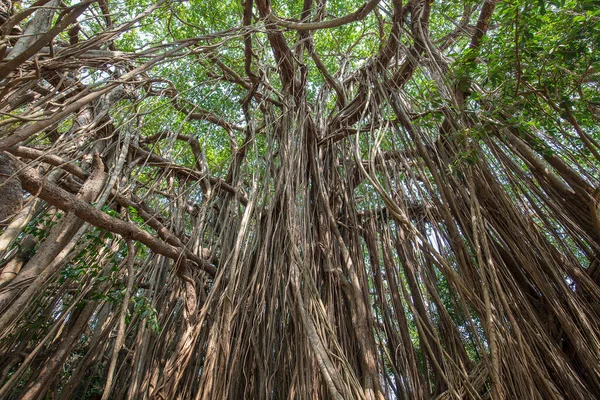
[40, 227]
[142, 307]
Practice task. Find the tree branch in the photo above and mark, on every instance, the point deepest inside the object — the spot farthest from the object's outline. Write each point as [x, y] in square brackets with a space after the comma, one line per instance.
[38, 186]
[356, 16]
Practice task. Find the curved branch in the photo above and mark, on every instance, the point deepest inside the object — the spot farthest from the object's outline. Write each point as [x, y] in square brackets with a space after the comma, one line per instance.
[356, 16]
[201, 114]
[155, 160]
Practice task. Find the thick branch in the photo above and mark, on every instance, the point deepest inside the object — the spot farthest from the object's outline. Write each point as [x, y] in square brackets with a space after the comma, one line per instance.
[35, 184]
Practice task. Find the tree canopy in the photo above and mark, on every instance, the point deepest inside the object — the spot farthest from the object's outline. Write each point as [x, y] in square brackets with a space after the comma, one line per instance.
[329, 199]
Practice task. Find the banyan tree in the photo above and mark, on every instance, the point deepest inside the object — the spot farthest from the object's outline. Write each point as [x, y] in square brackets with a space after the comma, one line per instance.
[286, 199]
